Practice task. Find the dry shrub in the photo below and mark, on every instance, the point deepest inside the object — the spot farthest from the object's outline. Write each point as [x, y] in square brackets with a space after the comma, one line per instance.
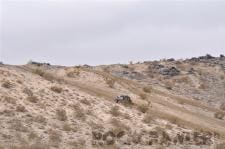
[181, 66]
[9, 99]
[147, 89]
[74, 73]
[85, 101]
[143, 96]
[202, 86]
[56, 89]
[78, 144]
[33, 99]
[118, 124]
[95, 125]
[68, 127]
[147, 118]
[80, 113]
[219, 115]
[143, 108]
[32, 135]
[20, 108]
[7, 112]
[61, 114]
[40, 119]
[159, 129]
[119, 132]
[39, 72]
[115, 111]
[54, 136]
[169, 85]
[183, 80]
[70, 74]
[222, 106]
[136, 138]
[19, 81]
[18, 126]
[169, 126]
[44, 74]
[222, 77]
[97, 135]
[173, 120]
[126, 116]
[110, 82]
[27, 91]
[7, 84]
[50, 77]
[125, 66]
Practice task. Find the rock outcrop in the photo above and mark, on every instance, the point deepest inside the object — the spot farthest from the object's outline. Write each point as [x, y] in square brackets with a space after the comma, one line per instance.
[172, 71]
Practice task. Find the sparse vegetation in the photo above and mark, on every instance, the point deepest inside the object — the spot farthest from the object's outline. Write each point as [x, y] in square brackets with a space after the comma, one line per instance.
[125, 66]
[222, 77]
[219, 115]
[61, 114]
[202, 86]
[46, 75]
[85, 107]
[173, 120]
[18, 126]
[79, 143]
[147, 118]
[143, 108]
[55, 136]
[33, 99]
[169, 85]
[56, 89]
[118, 124]
[86, 102]
[50, 77]
[9, 99]
[143, 96]
[110, 82]
[19, 81]
[32, 135]
[222, 106]
[27, 91]
[39, 72]
[74, 73]
[136, 138]
[184, 79]
[80, 113]
[115, 111]
[68, 127]
[7, 84]
[147, 89]
[20, 108]
[40, 119]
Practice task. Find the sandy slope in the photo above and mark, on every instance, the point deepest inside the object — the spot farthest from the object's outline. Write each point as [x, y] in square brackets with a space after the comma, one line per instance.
[70, 107]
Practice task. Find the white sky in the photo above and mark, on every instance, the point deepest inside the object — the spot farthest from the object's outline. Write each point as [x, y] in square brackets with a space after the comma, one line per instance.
[110, 31]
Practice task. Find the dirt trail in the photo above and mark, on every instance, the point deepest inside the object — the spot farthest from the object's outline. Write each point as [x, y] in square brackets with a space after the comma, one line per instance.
[136, 88]
[186, 117]
[190, 118]
[188, 101]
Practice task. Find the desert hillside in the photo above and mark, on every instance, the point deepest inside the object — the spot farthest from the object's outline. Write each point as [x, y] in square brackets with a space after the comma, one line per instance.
[174, 104]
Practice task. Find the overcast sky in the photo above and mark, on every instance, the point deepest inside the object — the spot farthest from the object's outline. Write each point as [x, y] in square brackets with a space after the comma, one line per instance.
[96, 32]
